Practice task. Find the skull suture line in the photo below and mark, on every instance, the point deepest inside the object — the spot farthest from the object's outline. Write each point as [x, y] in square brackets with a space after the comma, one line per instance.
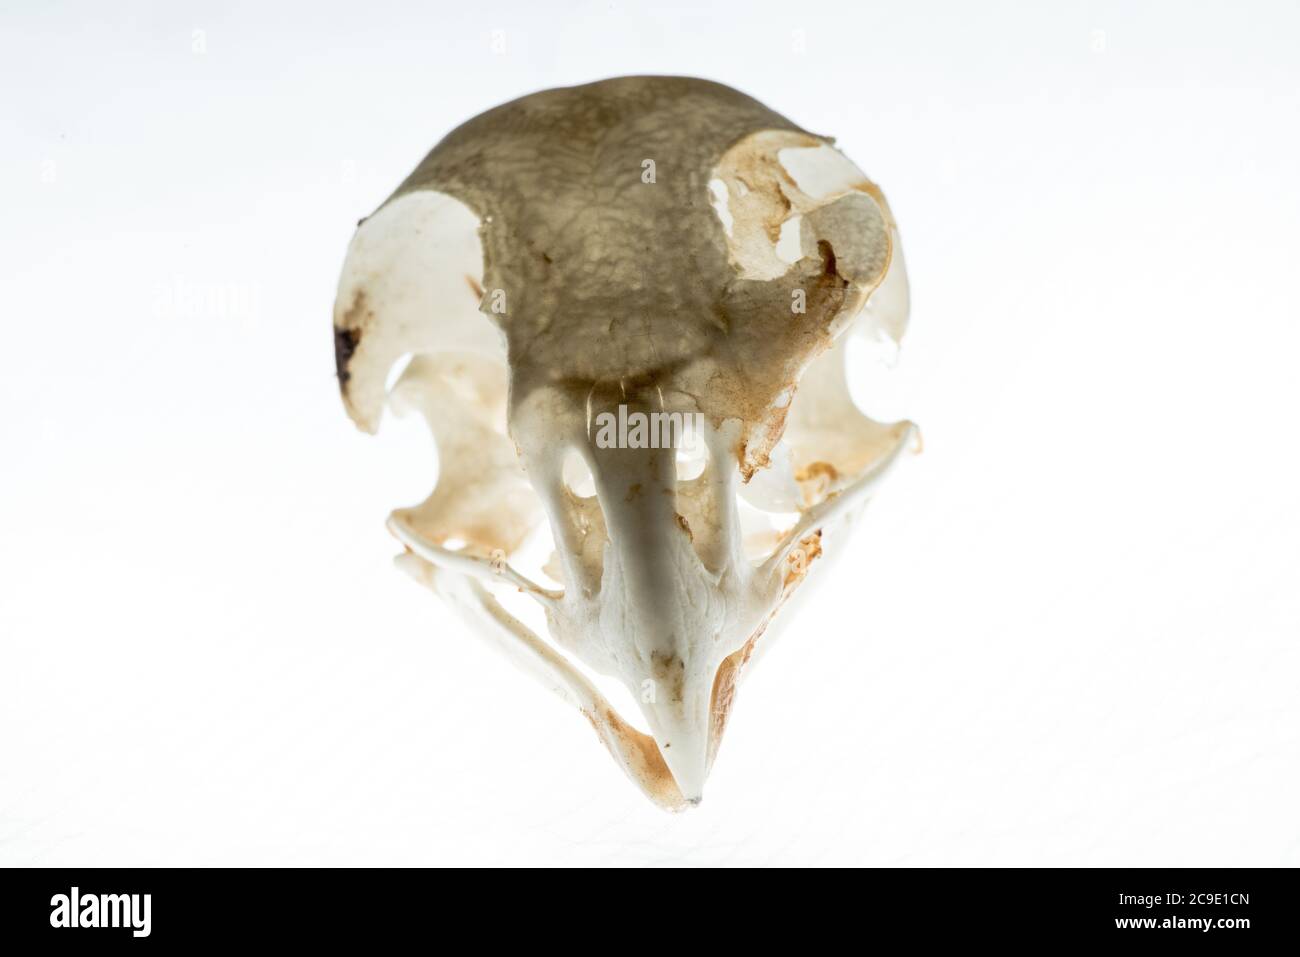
[643, 245]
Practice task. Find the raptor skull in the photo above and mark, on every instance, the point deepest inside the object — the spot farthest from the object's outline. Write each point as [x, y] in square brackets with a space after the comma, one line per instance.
[644, 249]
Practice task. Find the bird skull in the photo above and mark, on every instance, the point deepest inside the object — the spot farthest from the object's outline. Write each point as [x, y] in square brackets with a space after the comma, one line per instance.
[603, 279]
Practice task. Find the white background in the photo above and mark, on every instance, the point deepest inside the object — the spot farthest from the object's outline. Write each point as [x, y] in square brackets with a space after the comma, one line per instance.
[1065, 634]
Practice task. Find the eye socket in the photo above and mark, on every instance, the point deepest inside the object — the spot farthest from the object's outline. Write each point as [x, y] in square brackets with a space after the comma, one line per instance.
[762, 531]
[876, 383]
[720, 201]
[577, 476]
[692, 457]
[690, 467]
[397, 371]
[789, 248]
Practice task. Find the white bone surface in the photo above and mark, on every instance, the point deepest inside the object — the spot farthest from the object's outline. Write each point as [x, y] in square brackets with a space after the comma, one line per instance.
[668, 583]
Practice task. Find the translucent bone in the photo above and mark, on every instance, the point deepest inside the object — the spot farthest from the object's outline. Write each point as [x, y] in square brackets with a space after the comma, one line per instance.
[646, 246]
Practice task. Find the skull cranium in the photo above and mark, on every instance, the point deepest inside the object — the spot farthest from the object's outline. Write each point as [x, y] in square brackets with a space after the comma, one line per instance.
[646, 246]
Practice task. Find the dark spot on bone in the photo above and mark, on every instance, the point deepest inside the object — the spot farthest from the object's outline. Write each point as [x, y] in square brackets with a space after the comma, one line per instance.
[474, 287]
[345, 344]
[670, 669]
[828, 257]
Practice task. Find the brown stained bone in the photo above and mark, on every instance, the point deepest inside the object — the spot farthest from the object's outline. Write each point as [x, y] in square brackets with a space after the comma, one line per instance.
[720, 288]
[558, 174]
